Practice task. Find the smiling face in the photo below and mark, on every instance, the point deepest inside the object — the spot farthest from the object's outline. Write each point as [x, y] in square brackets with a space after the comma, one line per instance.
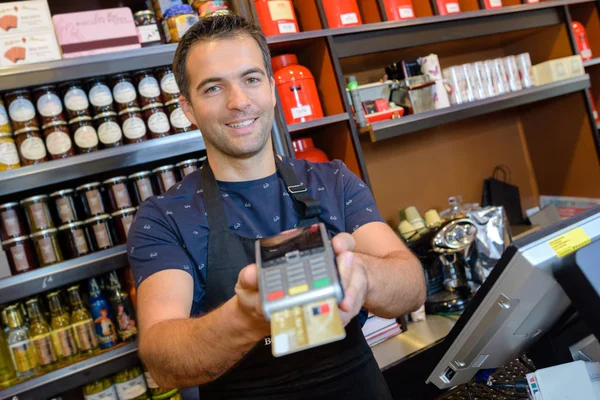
[231, 98]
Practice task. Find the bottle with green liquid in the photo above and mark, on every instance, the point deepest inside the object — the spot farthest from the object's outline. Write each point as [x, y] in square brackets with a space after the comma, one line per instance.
[82, 323]
[41, 336]
[7, 371]
[122, 309]
[20, 346]
[102, 389]
[62, 333]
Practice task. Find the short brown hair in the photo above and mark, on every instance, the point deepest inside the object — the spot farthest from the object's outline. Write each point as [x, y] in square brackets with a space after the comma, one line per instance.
[211, 28]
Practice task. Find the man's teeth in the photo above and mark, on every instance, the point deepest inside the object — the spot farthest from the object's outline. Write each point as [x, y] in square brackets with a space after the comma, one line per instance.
[241, 124]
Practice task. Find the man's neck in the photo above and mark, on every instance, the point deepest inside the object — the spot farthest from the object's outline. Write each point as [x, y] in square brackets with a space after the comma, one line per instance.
[230, 169]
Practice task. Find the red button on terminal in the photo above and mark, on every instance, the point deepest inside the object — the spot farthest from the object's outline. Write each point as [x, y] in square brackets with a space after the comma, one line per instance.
[275, 295]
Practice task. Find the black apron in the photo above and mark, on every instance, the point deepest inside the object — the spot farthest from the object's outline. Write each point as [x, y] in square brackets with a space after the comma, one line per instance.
[341, 370]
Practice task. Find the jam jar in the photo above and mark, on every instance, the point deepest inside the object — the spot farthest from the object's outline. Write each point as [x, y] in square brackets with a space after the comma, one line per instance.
[47, 247]
[91, 198]
[30, 146]
[147, 28]
[168, 85]
[179, 121]
[58, 140]
[75, 239]
[11, 221]
[187, 167]
[9, 155]
[84, 134]
[177, 20]
[75, 99]
[109, 130]
[48, 104]
[157, 120]
[21, 110]
[20, 254]
[147, 86]
[134, 128]
[117, 193]
[100, 231]
[64, 205]
[4, 121]
[100, 95]
[165, 176]
[122, 221]
[124, 92]
[37, 213]
[207, 8]
[142, 186]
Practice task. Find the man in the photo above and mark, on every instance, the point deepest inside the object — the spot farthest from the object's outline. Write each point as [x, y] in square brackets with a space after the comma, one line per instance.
[191, 250]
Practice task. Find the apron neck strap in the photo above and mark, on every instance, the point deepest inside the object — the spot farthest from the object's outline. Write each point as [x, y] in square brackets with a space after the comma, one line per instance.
[215, 213]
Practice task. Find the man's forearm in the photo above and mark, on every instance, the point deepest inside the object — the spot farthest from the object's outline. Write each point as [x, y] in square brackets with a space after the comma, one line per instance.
[190, 352]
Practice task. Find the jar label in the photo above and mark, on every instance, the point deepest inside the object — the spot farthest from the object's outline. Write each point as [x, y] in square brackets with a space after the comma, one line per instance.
[21, 110]
[281, 10]
[101, 234]
[47, 250]
[144, 188]
[134, 128]
[301, 112]
[148, 33]
[85, 334]
[287, 27]
[23, 356]
[150, 381]
[64, 341]
[100, 96]
[148, 87]
[106, 394]
[10, 221]
[349, 18]
[86, 137]
[124, 92]
[132, 388]
[127, 221]
[44, 349]
[38, 216]
[168, 179]
[3, 115]
[179, 120]
[406, 12]
[94, 202]
[58, 142]
[33, 148]
[452, 8]
[8, 153]
[109, 132]
[19, 257]
[121, 196]
[168, 84]
[159, 123]
[184, 22]
[49, 105]
[80, 243]
[76, 100]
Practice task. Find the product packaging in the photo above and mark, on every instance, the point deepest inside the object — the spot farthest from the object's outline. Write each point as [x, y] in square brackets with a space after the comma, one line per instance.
[28, 48]
[20, 17]
[445, 7]
[557, 70]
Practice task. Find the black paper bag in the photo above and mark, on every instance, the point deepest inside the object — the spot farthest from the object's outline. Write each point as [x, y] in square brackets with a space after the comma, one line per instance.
[497, 191]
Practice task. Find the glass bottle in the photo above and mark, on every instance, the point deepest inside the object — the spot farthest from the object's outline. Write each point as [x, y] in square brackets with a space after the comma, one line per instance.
[7, 371]
[62, 333]
[41, 336]
[20, 346]
[101, 389]
[105, 327]
[82, 323]
[130, 384]
[122, 309]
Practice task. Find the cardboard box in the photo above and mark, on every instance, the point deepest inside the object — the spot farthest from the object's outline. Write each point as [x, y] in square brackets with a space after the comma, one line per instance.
[28, 48]
[19, 17]
[557, 70]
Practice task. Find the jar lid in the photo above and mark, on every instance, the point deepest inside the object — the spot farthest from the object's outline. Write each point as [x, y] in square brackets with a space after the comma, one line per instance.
[178, 10]
[71, 225]
[5, 134]
[202, 159]
[34, 198]
[163, 168]
[98, 218]
[105, 114]
[79, 119]
[283, 61]
[115, 179]
[140, 174]
[45, 87]
[129, 110]
[152, 105]
[173, 101]
[17, 92]
[90, 185]
[8, 205]
[120, 76]
[96, 79]
[143, 71]
[164, 67]
[124, 211]
[190, 161]
[14, 240]
[69, 84]
[61, 192]
[53, 123]
[144, 13]
[25, 130]
[42, 233]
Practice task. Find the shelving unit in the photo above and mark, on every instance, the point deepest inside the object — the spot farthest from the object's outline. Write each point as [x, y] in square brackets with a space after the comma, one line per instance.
[318, 122]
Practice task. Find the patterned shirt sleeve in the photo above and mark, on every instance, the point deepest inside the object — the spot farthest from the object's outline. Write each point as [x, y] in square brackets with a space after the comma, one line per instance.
[359, 202]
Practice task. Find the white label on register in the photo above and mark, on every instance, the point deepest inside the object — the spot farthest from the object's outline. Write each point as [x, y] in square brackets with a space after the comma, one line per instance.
[124, 92]
[49, 105]
[169, 84]
[58, 142]
[134, 128]
[179, 120]
[158, 122]
[21, 110]
[301, 112]
[86, 137]
[148, 33]
[287, 27]
[496, 3]
[8, 154]
[406, 12]
[76, 100]
[148, 87]
[100, 96]
[452, 8]
[33, 148]
[109, 132]
[350, 18]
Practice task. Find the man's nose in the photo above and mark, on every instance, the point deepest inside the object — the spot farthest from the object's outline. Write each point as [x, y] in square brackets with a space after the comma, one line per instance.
[238, 100]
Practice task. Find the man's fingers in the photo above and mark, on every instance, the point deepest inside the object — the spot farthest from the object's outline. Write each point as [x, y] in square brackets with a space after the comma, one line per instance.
[248, 277]
[343, 242]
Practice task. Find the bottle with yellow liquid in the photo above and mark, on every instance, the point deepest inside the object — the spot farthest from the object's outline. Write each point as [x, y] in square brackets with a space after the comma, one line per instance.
[20, 346]
[62, 333]
[7, 371]
[41, 336]
[82, 323]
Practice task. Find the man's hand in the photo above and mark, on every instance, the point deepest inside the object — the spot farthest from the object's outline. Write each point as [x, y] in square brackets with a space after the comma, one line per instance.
[354, 276]
[248, 299]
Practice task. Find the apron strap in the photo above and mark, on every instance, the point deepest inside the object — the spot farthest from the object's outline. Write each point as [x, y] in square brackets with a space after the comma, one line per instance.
[212, 199]
[307, 207]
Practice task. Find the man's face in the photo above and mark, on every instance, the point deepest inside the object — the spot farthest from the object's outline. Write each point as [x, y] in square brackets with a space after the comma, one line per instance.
[232, 99]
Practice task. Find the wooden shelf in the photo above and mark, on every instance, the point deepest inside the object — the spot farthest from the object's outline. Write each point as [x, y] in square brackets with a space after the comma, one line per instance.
[430, 119]
[592, 62]
[332, 119]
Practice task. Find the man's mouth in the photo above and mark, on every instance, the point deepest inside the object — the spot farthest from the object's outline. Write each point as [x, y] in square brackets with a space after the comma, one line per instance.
[242, 124]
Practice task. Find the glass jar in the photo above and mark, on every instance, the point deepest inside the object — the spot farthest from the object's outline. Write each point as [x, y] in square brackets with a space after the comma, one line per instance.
[122, 220]
[21, 110]
[9, 155]
[48, 104]
[165, 177]
[142, 186]
[37, 213]
[177, 21]
[179, 121]
[30, 146]
[20, 254]
[58, 140]
[47, 247]
[100, 95]
[117, 193]
[134, 128]
[147, 86]
[161, 6]
[4, 121]
[147, 28]
[109, 130]
[187, 167]
[84, 134]
[75, 99]
[64, 205]
[130, 384]
[168, 84]
[207, 8]
[157, 121]
[75, 239]
[100, 232]
[124, 92]
[91, 198]
[11, 221]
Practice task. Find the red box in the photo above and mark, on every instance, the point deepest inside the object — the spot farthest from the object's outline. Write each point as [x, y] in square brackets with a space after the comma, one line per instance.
[398, 10]
[445, 7]
[381, 105]
[490, 4]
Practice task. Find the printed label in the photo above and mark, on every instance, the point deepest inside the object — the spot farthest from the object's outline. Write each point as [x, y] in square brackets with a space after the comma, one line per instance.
[148, 33]
[452, 8]
[107, 394]
[168, 84]
[127, 221]
[150, 381]
[44, 349]
[495, 3]
[76, 100]
[159, 123]
[148, 87]
[21, 110]
[144, 188]
[287, 27]
[19, 257]
[131, 389]
[121, 195]
[33, 148]
[281, 10]
[125, 319]
[65, 210]
[101, 235]
[85, 335]
[586, 54]
[124, 92]
[109, 132]
[49, 105]
[134, 128]
[168, 179]
[94, 202]
[38, 215]
[569, 242]
[406, 12]
[58, 142]
[183, 23]
[64, 341]
[179, 120]
[100, 96]
[23, 356]
[3, 116]
[8, 153]
[10, 220]
[86, 137]
[80, 243]
[301, 112]
[47, 249]
[350, 18]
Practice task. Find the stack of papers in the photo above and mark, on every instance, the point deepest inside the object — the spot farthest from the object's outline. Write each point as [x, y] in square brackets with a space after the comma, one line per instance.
[377, 330]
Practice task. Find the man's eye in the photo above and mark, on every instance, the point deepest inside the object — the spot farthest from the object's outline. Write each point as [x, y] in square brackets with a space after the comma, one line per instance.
[253, 80]
[212, 89]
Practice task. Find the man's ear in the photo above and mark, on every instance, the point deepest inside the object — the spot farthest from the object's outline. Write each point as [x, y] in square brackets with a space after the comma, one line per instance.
[187, 109]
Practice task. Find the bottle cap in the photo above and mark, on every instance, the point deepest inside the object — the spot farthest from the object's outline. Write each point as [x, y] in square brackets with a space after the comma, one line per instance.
[407, 231]
[432, 219]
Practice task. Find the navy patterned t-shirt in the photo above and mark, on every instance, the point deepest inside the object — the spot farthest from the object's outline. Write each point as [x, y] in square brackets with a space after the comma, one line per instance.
[171, 231]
